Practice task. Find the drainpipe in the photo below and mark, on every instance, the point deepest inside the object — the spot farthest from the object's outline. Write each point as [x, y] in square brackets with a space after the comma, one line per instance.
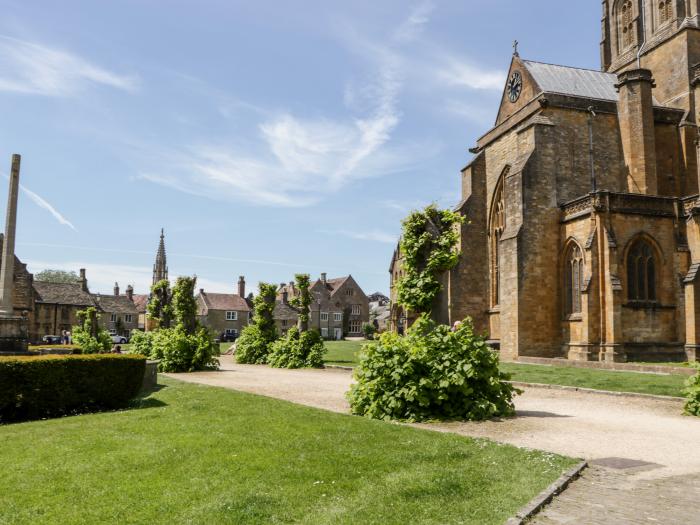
[644, 37]
[591, 116]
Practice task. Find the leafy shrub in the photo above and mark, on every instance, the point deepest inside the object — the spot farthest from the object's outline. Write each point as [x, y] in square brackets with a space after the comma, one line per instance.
[179, 351]
[692, 393]
[431, 373]
[368, 329]
[298, 350]
[51, 386]
[141, 343]
[254, 343]
[88, 335]
[253, 346]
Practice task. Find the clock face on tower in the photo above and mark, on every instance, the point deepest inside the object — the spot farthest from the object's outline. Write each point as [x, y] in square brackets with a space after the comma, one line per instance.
[515, 86]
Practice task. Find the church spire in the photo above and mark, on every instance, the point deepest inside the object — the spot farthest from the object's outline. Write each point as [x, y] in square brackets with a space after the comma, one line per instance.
[160, 268]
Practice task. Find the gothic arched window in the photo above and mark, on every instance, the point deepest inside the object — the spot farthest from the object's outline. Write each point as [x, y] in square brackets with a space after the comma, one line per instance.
[665, 11]
[496, 227]
[641, 272]
[573, 278]
[625, 24]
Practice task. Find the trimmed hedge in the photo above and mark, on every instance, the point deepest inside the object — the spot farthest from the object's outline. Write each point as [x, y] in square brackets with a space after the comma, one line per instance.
[52, 386]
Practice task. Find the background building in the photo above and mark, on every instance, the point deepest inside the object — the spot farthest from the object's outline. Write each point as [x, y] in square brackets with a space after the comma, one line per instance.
[224, 314]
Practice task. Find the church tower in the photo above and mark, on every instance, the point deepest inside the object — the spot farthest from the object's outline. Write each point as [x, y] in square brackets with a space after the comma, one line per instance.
[160, 268]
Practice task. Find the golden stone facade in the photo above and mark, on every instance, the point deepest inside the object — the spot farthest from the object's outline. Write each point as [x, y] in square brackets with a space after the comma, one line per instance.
[583, 238]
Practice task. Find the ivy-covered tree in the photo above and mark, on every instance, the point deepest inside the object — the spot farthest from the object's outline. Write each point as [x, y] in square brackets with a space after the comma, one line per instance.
[302, 302]
[88, 335]
[184, 306]
[253, 345]
[159, 306]
[429, 246]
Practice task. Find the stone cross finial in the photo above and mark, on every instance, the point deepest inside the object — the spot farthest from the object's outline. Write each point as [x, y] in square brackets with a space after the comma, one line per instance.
[515, 48]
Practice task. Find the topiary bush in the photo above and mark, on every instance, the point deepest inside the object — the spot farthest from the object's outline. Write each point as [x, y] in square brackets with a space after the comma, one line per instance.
[431, 373]
[179, 351]
[256, 339]
[298, 350]
[88, 335]
[692, 393]
[368, 330]
[52, 386]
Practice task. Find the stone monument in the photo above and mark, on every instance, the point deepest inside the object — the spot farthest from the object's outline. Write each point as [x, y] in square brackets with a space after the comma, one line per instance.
[13, 327]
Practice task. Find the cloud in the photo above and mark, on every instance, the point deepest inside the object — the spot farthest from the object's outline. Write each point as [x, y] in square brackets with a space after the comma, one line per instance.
[414, 23]
[42, 203]
[34, 69]
[373, 235]
[479, 114]
[459, 73]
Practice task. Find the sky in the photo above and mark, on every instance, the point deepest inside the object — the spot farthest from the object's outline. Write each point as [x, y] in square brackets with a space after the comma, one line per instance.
[267, 138]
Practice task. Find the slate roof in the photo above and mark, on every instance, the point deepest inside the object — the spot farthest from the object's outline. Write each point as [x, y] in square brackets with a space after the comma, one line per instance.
[221, 301]
[62, 293]
[115, 304]
[573, 81]
[285, 311]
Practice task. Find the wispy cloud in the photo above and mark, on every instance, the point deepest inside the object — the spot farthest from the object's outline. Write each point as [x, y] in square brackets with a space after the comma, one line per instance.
[373, 235]
[299, 160]
[456, 72]
[31, 68]
[43, 203]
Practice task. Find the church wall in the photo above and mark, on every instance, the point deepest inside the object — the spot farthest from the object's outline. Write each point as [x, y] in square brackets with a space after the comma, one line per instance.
[469, 280]
[669, 63]
[669, 163]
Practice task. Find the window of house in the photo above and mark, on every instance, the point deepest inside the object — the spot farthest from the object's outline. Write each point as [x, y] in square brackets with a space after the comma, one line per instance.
[65, 313]
[324, 333]
[324, 316]
[232, 331]
[356, 309]
[355, 326]
[641, 272]
[496, 228]
[573, 276]
[232, 316]
[350, 291]
[338, 316]
[113, 318]
[284, 322]
[128, 318]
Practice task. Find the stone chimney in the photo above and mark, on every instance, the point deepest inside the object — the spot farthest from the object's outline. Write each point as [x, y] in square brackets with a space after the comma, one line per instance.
[116, 289]
[83, 280]
[130, 293]
[635, 109]
[285, 297]
[324, 278]
[241, 286]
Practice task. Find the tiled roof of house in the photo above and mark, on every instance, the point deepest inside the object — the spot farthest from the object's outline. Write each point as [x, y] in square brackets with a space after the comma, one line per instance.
[221, 301]
[285, 311]
[140, 302]
[118, 304]
[62, 293]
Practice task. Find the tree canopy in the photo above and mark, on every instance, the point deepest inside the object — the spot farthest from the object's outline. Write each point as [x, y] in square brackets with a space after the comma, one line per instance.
[56, 276]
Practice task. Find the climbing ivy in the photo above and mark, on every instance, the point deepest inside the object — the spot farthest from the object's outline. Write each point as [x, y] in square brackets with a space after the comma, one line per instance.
[302, 302]
[184, 306]
[159, 306]
[429, 248]
[256, 339]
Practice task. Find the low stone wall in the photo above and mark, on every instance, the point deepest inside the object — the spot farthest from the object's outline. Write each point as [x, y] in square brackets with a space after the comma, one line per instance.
[604, 365]
[150, 375]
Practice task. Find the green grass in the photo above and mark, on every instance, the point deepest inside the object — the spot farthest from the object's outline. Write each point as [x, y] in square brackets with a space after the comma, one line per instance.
[346, 353]
[197, 454]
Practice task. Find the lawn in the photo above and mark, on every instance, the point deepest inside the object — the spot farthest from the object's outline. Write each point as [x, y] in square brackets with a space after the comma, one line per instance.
[346, 353]
[197, 454]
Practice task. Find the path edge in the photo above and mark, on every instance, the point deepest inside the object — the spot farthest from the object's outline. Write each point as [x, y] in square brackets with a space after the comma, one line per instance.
[547, 495]
[585, 390]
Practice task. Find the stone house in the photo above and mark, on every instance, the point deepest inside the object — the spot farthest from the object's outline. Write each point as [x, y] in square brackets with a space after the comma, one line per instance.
[56, 305]
[584, 232]
[285, 315]
[118, 313]
[224, 313]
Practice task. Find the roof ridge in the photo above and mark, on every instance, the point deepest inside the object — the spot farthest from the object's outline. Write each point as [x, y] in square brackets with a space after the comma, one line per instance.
[569, 67]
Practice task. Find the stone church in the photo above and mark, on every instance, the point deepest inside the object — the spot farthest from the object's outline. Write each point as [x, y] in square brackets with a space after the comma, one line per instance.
[583, 238]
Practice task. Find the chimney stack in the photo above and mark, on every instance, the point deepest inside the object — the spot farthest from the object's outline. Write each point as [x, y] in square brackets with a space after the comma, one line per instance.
[635, 109]
[241, 286]
[323, 278]
[116, 288]
[130, 293]
[83, 280]
[285, 297]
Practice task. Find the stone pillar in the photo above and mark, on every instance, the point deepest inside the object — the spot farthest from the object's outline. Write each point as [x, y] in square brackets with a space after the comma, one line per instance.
[8, 248]
[636, 116]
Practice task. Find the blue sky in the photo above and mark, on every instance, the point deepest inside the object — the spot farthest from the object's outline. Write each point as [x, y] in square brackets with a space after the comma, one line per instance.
[268, 138]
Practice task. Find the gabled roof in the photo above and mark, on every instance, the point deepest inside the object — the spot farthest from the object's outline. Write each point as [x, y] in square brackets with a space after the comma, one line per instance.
[573, 81]
[118, 304]
[71, 294]
[285, 311]
[140, 302]
[221, 301]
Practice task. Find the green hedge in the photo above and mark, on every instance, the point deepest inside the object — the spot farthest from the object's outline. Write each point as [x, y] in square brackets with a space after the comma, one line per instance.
[52, 386]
